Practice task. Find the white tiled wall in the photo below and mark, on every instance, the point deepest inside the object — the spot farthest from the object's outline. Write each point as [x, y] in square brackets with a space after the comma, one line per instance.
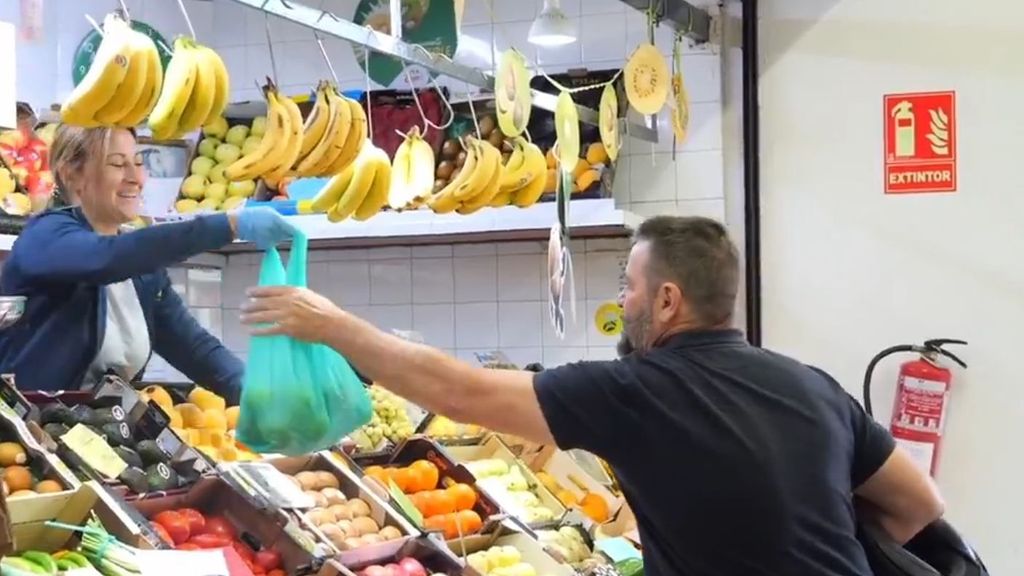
[464, 298]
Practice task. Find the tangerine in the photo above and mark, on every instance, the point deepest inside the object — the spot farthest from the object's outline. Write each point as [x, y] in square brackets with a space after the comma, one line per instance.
[469, 521]
[431, 475]
[464, 494]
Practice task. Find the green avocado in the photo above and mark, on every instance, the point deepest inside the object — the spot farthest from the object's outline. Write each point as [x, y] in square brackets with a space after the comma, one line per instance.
[135, 479]
[129, 456]
[110, 415]
[56, 413]
[161, 477]
[55, 429]
[82, 414]
[117, 434]
[151, 453]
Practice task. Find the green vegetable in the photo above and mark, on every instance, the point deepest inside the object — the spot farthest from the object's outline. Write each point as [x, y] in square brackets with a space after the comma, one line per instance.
[135, 479]
[151, 453]
[161, 477]
[41, 559]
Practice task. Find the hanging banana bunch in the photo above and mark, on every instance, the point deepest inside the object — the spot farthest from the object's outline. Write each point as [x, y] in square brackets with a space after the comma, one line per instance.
[123, 83]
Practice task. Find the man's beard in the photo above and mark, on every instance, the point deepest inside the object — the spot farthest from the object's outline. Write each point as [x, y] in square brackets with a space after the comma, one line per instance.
[635, 334]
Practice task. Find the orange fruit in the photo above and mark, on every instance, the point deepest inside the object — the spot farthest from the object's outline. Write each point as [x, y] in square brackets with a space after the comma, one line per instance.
[419, 501]
[18, 478]
[377, 473]
[416, 480]
[48, 486]
[400, 476]
[444, 502]
[231, 415]
[429, 472]
[469, 521]
[434, 523]
[465, 496]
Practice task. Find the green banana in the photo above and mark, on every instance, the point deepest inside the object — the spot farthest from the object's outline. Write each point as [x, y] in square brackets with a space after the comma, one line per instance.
[17, 565]
[41, 559]
[77, 559]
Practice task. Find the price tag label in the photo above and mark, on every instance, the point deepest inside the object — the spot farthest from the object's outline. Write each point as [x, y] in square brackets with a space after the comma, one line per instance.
[94, 450]
[405, 504]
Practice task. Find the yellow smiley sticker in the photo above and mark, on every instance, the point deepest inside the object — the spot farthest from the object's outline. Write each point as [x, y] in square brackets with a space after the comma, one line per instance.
[608, 319]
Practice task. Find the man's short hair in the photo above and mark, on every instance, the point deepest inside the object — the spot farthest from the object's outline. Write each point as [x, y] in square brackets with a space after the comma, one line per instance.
[696, 254]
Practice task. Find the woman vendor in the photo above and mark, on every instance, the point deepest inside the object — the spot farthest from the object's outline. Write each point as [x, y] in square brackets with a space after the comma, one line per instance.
[99, 299]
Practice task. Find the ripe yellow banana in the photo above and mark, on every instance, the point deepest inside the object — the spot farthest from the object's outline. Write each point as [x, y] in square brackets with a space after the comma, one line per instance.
[339, 124]
[178, 84]
[222, 85]
[316, 124]
[445, 201]
[412, 172]
[378, 196]
[329, 195]
[512, 173]
[105, 75]
[491, 187]
[289, 150]
[487, 164]
[129, 91]
[366, 167]
[532, 190]
[501, 199]
[200, 102]
[265, 157]
[354, 141]
[154, 81]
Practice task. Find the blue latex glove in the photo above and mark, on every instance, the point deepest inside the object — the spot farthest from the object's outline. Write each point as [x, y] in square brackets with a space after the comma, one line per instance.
[263, 226]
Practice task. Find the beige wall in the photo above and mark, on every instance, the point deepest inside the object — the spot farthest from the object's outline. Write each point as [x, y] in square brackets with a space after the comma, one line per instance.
[849, 271]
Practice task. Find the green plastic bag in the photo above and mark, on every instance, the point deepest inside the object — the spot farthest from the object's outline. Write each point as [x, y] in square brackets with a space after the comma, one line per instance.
[297, 397]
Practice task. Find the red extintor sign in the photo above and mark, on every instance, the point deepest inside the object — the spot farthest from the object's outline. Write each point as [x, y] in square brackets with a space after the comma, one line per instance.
[920, 142]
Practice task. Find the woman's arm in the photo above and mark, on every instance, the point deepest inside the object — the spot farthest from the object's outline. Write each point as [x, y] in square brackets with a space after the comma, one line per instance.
[193, 351]
[58, 247]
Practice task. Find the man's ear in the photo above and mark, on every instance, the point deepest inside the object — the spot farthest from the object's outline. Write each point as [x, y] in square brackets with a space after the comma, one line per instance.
[668, 300]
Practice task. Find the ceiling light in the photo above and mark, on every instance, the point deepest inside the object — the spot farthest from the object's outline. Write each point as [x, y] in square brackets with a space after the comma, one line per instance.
[552, 27]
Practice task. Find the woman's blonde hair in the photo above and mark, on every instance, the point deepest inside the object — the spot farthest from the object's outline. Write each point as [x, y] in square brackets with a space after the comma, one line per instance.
[72, 149]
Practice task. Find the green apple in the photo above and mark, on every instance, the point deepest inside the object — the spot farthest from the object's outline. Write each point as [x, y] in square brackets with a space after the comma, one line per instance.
[259, 126]
[243, 189]
[218, 128]
[207, 146]
[217, 191]
[202, 165]
[227, 153]
[251, 144]
[217, 174]
[194, 186]
[236, 135]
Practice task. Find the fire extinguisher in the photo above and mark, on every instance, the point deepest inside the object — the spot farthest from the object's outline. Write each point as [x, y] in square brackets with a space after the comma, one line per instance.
[922, 398]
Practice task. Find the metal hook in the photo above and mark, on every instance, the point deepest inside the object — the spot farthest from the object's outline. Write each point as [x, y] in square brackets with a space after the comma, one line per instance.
[124, 11]
[368, 93]
[270, 45]
[95, 24]
[188, 21]
[327, 13]
[327, 59]
[286, 4]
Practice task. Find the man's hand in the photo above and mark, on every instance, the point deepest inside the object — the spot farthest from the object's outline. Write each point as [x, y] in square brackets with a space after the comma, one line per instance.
[296, 312]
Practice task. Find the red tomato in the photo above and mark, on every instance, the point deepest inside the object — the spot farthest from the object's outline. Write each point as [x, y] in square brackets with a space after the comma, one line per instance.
[175, 524]
[219, 525]
[277, 572]
[210, 540]
[162, 533]
[268, 559]
[187, 546]
[196, 521]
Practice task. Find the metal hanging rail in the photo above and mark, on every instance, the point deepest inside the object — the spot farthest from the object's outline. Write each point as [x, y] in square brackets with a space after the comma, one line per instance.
[687, 19]
[325, 22]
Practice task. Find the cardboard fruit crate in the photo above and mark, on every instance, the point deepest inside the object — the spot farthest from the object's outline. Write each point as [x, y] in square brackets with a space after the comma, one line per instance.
[493, 449]
[335, 525]
[255, 529]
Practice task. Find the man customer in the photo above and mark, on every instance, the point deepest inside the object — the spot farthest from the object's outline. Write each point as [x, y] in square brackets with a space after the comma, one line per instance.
[736, 460]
